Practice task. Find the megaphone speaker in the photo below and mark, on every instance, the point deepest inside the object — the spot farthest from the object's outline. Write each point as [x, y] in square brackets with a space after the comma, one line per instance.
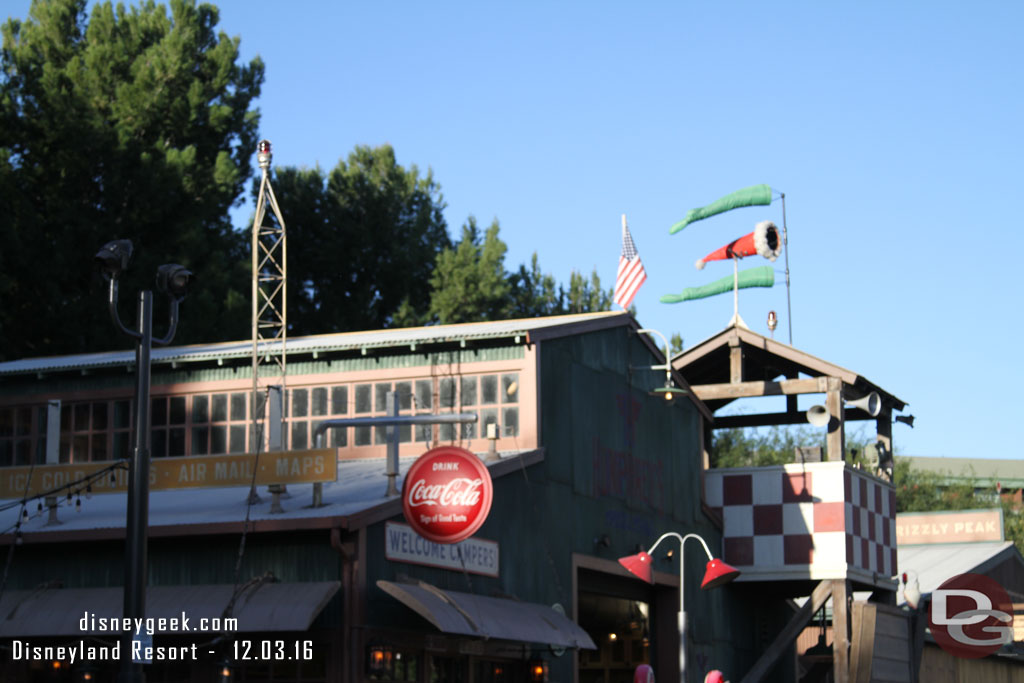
[871, 404]
[818, 416]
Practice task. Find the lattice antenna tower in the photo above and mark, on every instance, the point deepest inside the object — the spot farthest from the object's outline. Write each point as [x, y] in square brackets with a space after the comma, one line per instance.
[269, 296]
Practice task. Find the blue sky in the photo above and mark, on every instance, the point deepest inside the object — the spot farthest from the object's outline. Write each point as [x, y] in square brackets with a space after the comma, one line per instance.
[893, 129]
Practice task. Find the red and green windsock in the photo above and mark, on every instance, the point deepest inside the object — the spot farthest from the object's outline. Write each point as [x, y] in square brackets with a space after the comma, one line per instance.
[764, 241]
[755, 195]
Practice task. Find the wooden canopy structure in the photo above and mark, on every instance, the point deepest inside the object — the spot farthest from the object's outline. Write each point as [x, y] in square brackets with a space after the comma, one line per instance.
[739, 363]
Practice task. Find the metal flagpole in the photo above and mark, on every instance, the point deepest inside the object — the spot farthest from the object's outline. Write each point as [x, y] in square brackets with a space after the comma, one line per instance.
[785, 249]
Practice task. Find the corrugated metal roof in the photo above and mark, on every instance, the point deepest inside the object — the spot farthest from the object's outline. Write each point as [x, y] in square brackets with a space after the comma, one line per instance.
[935, 564]
[344, 341]
[979, 470]
[360, 486]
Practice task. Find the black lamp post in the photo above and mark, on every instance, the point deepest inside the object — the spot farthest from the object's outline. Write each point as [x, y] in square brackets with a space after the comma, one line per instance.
[174, 280]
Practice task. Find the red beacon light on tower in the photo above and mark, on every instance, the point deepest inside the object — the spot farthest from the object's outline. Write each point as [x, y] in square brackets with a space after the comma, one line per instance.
[263, 153]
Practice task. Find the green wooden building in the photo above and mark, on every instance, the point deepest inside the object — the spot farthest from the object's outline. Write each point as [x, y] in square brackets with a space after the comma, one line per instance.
[327, 581]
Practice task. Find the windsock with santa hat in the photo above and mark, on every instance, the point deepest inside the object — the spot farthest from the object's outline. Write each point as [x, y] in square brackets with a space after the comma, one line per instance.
[764, 240]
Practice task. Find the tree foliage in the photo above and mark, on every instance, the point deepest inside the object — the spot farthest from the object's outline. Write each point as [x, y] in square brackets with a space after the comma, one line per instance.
[131, 124]
[738, 447]
[470, 284]
[362, 241]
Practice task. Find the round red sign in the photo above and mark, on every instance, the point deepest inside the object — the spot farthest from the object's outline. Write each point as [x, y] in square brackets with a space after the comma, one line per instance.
[447, 494]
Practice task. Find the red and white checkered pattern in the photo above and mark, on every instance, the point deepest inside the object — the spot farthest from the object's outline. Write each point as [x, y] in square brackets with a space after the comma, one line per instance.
[816, 520]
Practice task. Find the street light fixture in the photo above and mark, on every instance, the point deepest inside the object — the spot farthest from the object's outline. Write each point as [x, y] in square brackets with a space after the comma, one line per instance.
[173, 279]
[716, 573]
[669, 391]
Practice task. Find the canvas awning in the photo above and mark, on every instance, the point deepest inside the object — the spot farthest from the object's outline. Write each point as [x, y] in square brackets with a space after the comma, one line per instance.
[261, 607]
[485, 617]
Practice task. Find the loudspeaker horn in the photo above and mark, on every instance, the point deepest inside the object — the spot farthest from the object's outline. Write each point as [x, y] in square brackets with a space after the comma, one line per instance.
[870, 404]
[818, 416]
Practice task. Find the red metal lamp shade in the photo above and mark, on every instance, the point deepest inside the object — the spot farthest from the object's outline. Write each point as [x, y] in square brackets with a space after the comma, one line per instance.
[717, 574]
[641, 565]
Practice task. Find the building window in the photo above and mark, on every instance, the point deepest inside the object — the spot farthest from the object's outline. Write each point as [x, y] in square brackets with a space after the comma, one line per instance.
[91, 431]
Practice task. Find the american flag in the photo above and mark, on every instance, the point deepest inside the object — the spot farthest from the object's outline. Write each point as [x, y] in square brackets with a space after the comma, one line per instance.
[631, 270]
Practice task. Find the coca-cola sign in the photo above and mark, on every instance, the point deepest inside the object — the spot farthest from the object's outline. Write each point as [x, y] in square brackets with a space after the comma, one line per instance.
[447, 494]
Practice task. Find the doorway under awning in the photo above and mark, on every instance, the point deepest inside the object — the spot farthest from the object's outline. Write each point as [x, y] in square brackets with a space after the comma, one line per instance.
[467, 614]
[262, 607]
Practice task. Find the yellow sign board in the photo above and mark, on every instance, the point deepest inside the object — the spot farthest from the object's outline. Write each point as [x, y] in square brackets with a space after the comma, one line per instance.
[198, 471]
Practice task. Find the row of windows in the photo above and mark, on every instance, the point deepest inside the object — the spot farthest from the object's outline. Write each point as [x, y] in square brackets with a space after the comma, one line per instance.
[217, 423]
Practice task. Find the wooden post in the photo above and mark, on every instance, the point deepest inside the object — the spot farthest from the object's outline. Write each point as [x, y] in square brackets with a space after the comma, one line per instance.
[883, 428]
[841, 631]
[735, 361]
[789, 633]
[836, 443]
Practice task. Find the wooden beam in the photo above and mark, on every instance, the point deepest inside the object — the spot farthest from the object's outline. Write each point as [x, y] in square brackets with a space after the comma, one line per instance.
[862, 650]
[711, 392]
[835, 443]
[769, 419]
[770, 657]
[841, 630]
[735, 362]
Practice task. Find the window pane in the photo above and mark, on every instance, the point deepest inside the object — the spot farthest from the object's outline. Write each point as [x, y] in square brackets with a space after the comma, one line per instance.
[200, 409]
[82, 417]
[300, 402]
[339, 400]
[65, 418]
[178, 411]
[339, 437]
[299, 436]
[320, 401]
[238, 407]
[469, 430]
[424, 393]
[261, 404]
[489, 389]
[488, 417]
[447, 386]
[362, 400]
[510, 388]
[99, 416]
[176, 441]
[6, 454]
[362, 436]
[99, 447]
[379, 435]
[510, 416]
[404, 433]
[22, 452]
[424, 433]
[237, 439]
[65, 449]
[80, 449]
[7, 421]
[159, 443]
[218, 439]
[220, 408]
[158, 412]
[404, 391]
[199, 441]
[23, 421]
[447, 432]
[121, 445]
[381, 391]
[122, 414]
[469, 391]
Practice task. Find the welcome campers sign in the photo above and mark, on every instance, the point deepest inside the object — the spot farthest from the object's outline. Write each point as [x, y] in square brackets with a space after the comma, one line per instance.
[447, 494]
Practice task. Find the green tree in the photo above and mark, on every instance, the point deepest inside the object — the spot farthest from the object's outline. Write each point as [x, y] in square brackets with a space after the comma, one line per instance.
[469, 283]
[586, 295]
[131, 124]
[362, 241]
[739, 447]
